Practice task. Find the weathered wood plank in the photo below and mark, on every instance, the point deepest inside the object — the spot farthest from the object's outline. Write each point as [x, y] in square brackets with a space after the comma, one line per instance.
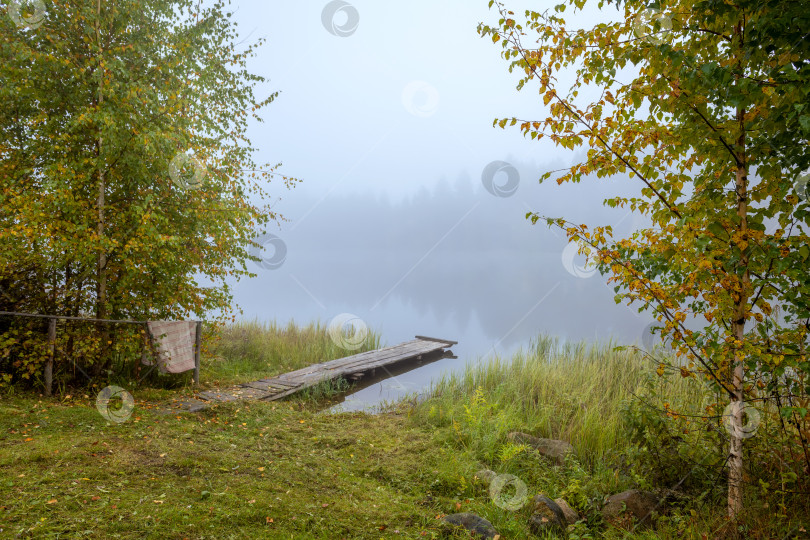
[447, 341]
[416, 350]
[315, 374]
[277, 382]
[403, 350]
[354, 359]
[349, 368]
[271, 387]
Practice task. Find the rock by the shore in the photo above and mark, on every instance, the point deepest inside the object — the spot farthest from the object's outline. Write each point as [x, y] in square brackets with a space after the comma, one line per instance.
[547, 516]
[571, 515]
[473, 523]
[550, 448]
[633, 502]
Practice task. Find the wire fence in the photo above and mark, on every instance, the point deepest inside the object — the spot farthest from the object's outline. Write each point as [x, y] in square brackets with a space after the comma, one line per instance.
[48, 368]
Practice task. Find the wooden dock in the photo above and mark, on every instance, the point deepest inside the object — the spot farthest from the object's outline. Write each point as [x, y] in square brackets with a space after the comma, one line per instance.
[350, 367]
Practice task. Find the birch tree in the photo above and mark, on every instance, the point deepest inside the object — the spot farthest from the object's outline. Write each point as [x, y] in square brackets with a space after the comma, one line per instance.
[705, 106]
[126, 173]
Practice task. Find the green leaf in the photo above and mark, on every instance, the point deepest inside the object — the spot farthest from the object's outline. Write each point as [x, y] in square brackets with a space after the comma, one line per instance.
[804, 121]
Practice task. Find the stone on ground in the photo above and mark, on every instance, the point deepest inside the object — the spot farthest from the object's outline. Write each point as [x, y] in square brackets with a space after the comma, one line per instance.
[634, 503]
[571, 515]
[547, 517]
[551, 448]
[472, 523]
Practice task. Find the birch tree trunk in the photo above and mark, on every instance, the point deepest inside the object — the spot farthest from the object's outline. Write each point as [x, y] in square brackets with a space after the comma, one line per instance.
[735, 457]
[101, 265]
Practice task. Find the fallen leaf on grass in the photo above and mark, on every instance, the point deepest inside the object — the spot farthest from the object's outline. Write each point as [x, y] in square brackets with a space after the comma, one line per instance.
[158, 502]
[269, 519]
[95, 498]
[52, 501]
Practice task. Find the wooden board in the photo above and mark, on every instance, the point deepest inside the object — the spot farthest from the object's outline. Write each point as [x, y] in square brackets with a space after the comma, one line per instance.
[294, 381]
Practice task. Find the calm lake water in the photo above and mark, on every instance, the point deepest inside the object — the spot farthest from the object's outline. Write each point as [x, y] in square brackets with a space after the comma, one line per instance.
[457, 263]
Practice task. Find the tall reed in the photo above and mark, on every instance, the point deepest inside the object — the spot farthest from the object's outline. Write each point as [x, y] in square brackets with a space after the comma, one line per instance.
[570, 391]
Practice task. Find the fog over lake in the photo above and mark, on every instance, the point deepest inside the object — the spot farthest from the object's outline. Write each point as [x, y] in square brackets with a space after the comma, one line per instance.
[454, 262]
[385, 113]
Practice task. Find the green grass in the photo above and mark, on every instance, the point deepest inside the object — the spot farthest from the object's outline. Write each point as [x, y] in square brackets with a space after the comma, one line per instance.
[573, 392]
[224, 473]
[601, 401]
[238, 470]
[286, 470]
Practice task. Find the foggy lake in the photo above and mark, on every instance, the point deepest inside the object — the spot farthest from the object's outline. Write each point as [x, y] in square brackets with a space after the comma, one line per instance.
[458, 262]
[411, 212]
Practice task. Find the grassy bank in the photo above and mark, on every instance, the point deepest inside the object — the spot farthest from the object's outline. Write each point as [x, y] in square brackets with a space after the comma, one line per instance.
[611, 406]
[286, 470]
[253, 470]
[239, 470]
[573, 392]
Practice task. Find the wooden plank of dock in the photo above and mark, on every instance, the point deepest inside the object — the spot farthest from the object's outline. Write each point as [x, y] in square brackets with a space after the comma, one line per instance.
[348, 367]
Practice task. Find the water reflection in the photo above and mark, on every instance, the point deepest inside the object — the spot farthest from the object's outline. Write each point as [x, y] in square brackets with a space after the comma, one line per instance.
[386, 381]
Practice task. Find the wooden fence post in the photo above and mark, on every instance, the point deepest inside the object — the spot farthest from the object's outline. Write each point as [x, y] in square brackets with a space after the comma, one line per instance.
[51, 353]
[197, 344]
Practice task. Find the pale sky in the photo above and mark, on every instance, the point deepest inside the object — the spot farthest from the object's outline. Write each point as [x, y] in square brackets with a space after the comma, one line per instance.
[407, 97]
